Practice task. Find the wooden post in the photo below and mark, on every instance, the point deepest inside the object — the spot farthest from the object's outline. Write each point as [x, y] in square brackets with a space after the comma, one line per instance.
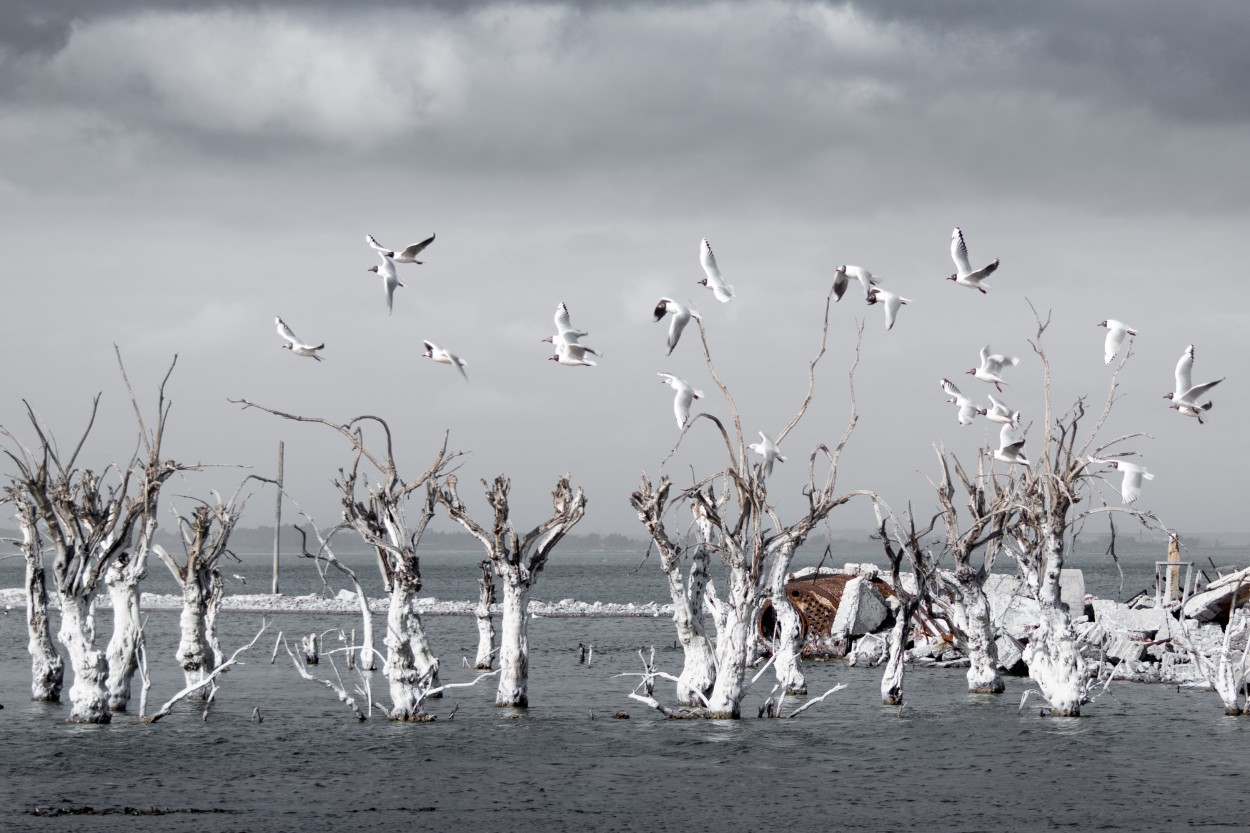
[277, 522]
[1173, 591]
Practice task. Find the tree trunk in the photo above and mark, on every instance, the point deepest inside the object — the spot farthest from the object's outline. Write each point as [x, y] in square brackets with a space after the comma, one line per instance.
[47, 669]
[514, 649]
[892, 678]
[88, 695]
[974, 623]
[698, 672]
[485, 621]
[731, 647]
[1054, 660]
[123, 646]
[787, 642]
[410, 667]
[195, 651]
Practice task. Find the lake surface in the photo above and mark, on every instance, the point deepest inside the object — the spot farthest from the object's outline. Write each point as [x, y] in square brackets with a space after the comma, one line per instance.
[1143, 758]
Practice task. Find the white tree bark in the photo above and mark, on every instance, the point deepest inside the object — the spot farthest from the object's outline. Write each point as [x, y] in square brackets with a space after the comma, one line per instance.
[88, 695]
[514, 646]
[892, 677]
[195, 652]
[741, 609]
[787, 642]
[485, 621]
[975, 626]
[1054, 659]
[411, 668]
[122, 650]
[47, 669]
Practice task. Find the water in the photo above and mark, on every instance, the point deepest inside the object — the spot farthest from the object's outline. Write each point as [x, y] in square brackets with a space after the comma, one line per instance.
[1143, 758]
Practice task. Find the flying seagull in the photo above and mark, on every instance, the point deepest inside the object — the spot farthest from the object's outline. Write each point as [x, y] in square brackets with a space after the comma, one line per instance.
[681, 317]
[390, 279]
[572, 354]
[968, 411]
[293, 344]
[1000, 413]
[444, 356]
[1116, 331]
[965, 275]
[1185, 396]
[565, 334]
[723, 291]
[890, 300]
[842, 278]
[685, 395]
[1130, 486]
[767, 449]
[408, 255]
[991, 366]
[1010, 446]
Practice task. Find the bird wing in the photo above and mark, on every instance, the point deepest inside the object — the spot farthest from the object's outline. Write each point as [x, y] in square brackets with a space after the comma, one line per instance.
[1184, 371]
[892, 303]
[285, 332]
[708, 261]
[416, 248]
[1115, 338]
[681, 405]
[1196, 391]
[840, 282]
[563, 323]
[1130, 488]
[950, 389]
[378, 246]
[959, 253]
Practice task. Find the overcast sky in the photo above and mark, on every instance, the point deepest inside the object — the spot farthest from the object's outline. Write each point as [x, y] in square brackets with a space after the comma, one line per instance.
[174, 175]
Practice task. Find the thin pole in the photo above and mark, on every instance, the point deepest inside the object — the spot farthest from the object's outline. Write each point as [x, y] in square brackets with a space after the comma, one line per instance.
[277, 521]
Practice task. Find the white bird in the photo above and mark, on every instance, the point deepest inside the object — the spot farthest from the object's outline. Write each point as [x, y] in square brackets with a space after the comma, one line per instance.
[723, 291]
[390, 279]
[1000, 413]
[968, 410]
[1116, 331]
[842, 278]
[891, 301]
[685, 395]
[572, 354]
[1010, 446]
[293, 344]
[965, 275]
[769, 451]
[443, 356]
[681, 317]
[991, 366]
[1185, 396]
[408, 255]
[1130, 486]
[565, 334]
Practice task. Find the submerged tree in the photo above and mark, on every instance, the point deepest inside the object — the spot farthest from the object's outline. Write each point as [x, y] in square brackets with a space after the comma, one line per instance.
[378, 514]
[517, 560]
[47, 669]
[745, 529]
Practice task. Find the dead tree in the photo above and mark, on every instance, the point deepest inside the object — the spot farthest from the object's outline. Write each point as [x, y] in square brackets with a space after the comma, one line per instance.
[517, 560]
[205, 535]
[378, 514]
[47, 669]
[1046, 502]
[905, 541]
[485, 620]
[989, 512]
[326, 555]
[752, 541]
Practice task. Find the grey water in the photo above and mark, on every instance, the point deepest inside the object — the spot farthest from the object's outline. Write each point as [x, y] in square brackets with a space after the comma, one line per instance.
[1143, 758]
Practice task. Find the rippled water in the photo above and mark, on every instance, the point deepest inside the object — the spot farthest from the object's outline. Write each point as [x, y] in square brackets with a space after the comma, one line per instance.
[1143, 758]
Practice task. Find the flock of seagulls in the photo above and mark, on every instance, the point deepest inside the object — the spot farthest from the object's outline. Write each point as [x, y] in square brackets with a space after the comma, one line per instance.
[1186, 397]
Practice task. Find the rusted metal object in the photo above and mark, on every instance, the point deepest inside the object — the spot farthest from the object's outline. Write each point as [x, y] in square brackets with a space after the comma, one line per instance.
[816, 599]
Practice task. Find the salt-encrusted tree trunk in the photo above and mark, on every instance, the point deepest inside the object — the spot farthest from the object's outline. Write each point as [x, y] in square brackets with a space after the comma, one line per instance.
[485, 620]
[1045, 500]
[518, 561]
[754, 544]
[989, 514]
[205, 536]
[909, 542]
[47, 669]
[1228, 671]
[379, 516]
[688, 592]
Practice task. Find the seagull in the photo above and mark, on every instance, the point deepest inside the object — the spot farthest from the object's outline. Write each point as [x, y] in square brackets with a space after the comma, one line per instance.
[723, 291]
[1116, 331]
[1010, 446]
[390, 279]
[1000, 413]
[964, 274]
[565, 334]
[685, 395]
[408, 255]
[991, 366]
[681, 317]
[842, 278]
[444, 356]
[1185, 397]
[967, 410]
[769, 451]
[892, 303]
[1130, 487]
[293, 344]
[572, 354]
